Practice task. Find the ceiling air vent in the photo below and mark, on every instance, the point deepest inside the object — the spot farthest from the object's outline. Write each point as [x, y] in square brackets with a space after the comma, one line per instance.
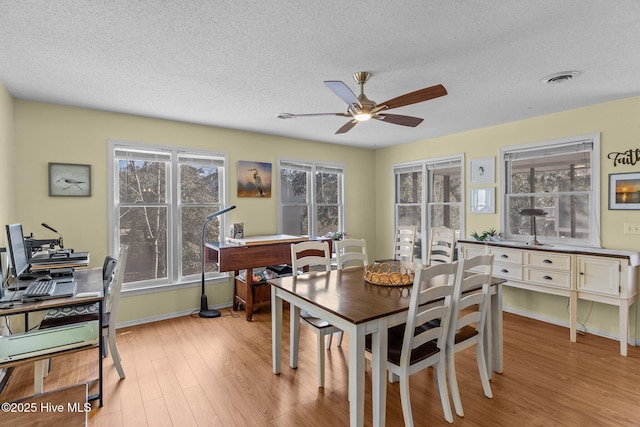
[561, 77]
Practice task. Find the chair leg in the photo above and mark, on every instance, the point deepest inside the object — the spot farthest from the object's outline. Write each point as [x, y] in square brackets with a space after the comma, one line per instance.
[340, 338]
[442, 388]
[406, 401]
[453, 382]
[47, 368]
[39, 369]
[321, 350]
[482, 368]
[105, 347]
[115, 355]
[329, 340]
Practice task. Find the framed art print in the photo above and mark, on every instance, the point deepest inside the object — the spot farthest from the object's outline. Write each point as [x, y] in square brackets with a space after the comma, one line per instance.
[624, 191]
[482, 200]
[69, 180]
[254, 179]
[483, 170]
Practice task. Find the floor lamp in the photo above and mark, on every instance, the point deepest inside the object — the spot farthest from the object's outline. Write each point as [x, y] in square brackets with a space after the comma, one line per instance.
[204, 304]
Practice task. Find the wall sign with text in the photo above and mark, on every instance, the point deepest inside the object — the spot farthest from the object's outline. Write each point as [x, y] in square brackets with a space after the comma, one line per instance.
[629, 157]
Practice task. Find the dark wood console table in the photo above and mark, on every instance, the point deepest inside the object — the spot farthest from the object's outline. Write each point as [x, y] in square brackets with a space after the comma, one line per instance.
[247, 254]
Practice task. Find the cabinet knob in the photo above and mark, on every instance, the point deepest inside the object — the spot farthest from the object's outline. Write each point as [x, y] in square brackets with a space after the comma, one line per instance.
[547, 277]
[581, 273]
[504, 256]
[504, 270]
[547, 261]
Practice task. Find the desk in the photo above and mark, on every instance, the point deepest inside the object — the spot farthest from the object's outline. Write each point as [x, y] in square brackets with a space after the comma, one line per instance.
[67, 407]
[259, 251]
[343, 298]
[86, 281]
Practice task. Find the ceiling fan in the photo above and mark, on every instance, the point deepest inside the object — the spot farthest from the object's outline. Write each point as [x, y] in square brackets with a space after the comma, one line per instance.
[360, 108]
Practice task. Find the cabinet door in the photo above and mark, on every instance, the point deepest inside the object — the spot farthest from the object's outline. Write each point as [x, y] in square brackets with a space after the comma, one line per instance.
[469, 251]
[599, 275]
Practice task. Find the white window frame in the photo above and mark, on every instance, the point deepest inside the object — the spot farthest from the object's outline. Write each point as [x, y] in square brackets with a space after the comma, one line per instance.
[594, 197]
[174, 237]
[425, 165]
[313, 166]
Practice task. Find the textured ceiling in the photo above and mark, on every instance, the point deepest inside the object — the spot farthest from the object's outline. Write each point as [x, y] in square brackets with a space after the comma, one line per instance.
[236, 64]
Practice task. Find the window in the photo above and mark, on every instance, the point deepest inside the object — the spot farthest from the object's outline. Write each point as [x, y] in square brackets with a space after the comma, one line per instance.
[560, 178]
[311, 198]
[429, 194]
[160, 197]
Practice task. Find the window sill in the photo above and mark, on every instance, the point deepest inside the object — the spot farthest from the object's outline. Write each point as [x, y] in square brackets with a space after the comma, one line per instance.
[156, 288]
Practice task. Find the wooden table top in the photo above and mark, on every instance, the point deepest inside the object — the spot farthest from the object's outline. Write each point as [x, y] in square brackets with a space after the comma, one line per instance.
[346, 294]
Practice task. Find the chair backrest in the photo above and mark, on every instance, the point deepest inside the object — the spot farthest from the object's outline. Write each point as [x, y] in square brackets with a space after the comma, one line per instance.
[310, 253]
[108, 273]
[351, 252]
[470, 295]
[116, 285]
[429, 309]
[442, 243]
[404, 242]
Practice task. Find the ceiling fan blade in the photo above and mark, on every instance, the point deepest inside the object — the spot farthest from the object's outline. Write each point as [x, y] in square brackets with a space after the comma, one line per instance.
[293, 116]
[415, 97]
[343, 92]
[398, 119]
[347, 127]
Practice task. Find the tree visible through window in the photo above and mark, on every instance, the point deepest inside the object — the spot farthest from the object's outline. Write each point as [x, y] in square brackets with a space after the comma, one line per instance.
[428, 194]
[555, 177]
[163, 198]
[311, 198]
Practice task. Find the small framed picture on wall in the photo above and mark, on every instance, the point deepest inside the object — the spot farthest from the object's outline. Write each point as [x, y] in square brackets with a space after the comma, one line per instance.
[482, 171]
[69, 180]
[624, 191]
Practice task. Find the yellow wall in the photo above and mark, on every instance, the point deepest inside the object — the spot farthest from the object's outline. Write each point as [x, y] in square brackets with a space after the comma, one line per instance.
[7, 209]
[619, 128]
[49, 133]
[52, 133]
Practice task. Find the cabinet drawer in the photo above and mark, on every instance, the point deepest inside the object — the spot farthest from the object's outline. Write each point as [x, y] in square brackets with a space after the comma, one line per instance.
[504, 256]
[547, 260]
[507, 271]
[558, 279]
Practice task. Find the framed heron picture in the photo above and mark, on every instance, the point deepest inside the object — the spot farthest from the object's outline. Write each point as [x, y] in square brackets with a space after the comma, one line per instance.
[69, 180]
[254, 179]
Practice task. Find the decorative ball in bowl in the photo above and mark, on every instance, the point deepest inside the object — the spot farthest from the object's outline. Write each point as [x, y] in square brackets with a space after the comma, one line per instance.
[386, 274]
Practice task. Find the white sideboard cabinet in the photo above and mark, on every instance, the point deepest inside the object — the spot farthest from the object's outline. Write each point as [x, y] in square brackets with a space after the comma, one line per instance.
[602, 275]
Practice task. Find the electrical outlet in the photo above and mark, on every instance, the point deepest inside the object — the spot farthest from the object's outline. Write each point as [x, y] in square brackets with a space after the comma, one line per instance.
[631, 228]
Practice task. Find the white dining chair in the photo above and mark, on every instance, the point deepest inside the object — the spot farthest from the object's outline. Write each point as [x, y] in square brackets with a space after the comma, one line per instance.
[308, 254]
[351, 252]
[421, 342]
[442, 241]
[468, 321]
[112, 276]
[404, 243]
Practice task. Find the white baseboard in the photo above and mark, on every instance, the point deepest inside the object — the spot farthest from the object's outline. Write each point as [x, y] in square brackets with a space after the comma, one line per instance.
[166, 316]
[564, 324]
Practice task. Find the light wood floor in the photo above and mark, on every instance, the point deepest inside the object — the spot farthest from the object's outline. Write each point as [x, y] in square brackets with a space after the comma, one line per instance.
[217, 372]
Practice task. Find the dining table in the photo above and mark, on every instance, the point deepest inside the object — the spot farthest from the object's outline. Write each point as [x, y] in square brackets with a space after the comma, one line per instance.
[347, 301]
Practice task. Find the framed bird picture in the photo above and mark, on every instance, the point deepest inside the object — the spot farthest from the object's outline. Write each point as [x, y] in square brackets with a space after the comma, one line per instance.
[254, 179]
[71, 180]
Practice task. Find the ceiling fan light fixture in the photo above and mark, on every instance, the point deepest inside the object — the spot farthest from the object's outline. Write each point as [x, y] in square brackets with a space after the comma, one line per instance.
[362, 116]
